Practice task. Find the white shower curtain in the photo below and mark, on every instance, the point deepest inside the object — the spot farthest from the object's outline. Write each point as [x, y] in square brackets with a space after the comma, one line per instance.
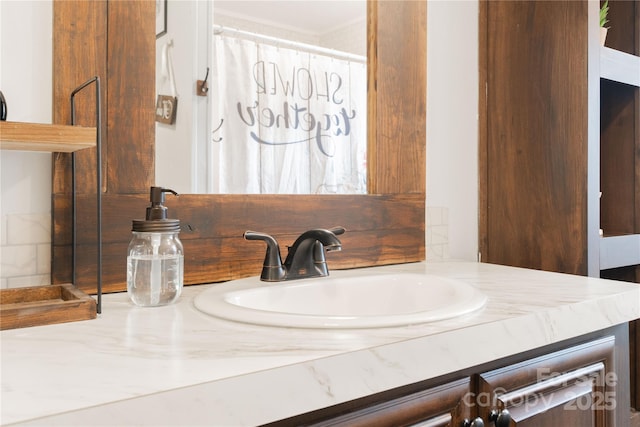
[285, 121]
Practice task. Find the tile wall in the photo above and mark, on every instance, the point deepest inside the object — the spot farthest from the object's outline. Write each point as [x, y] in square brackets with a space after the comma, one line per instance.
[437, 233]
[25, 250]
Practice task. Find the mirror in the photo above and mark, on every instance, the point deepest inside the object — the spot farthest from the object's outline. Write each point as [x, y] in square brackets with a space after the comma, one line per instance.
[385, 226]
[285, 110]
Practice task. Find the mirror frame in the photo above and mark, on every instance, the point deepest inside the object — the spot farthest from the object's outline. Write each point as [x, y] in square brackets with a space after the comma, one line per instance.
[116, 41]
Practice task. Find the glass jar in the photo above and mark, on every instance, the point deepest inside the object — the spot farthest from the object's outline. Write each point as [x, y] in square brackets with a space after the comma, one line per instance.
[155, 264]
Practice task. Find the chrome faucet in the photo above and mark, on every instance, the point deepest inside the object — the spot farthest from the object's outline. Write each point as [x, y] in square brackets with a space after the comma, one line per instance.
[305, 258]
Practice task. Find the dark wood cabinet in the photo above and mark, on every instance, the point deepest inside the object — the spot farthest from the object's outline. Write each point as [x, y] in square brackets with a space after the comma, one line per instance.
[619, 142]
[560, 139]
[572, 387]
[436, 406]
[534, 106]
[581, 384]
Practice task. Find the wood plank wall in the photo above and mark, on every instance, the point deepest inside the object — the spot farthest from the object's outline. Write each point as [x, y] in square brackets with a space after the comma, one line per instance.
[115, 39]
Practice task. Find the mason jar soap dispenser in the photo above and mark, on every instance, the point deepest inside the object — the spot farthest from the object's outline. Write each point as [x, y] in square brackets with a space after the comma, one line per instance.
[155, 260]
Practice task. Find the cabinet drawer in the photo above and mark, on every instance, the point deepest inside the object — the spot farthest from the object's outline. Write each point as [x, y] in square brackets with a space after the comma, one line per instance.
[576, 386]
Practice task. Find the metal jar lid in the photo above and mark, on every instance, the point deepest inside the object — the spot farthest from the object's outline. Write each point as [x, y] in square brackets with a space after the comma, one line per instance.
[156, 226]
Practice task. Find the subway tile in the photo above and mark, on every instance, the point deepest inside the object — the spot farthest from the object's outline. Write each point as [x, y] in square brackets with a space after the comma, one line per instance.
[437, 252]
[3, 230]
[18, 260]
[43, 254]
[429, 213]
[24, 229]
[26, 281]
[439, 235]
[436, 216]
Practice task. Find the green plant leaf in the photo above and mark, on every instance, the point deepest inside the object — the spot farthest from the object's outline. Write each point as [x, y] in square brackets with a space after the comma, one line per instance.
[604, 10]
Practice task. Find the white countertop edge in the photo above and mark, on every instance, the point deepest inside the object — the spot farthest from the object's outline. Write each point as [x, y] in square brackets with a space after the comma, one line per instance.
[273, 394]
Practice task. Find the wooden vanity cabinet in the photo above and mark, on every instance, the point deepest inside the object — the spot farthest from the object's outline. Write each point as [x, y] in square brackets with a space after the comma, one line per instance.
[437, 406]
[572, 387]
[580, 384]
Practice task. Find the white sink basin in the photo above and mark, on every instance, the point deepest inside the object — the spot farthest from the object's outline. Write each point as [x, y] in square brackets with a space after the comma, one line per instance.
[345, 299]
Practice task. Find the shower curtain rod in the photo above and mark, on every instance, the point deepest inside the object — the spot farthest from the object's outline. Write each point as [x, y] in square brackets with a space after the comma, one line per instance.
[219, 29]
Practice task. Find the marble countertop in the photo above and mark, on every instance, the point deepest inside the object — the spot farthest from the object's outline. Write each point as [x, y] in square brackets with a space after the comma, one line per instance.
[174, 365]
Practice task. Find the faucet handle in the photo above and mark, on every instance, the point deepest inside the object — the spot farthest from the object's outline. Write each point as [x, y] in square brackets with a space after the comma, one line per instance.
[272, 268]
[337, 230]
[256, 235]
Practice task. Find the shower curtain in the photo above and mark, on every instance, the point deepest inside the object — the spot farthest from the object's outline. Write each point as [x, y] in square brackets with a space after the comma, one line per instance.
[285, 121]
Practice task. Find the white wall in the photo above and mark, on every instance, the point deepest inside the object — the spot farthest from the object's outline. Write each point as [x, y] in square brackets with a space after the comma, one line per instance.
[25, 79]
[452, 124]
[25, 178]
[174, 151]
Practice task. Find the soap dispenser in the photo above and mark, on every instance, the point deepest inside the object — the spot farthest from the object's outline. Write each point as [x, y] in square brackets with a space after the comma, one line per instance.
[155, 259]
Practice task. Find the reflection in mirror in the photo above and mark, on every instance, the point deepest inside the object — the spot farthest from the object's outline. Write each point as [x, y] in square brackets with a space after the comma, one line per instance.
[285, 111]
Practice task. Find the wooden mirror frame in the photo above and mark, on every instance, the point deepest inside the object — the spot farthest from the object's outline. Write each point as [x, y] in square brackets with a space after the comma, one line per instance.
[116, 41]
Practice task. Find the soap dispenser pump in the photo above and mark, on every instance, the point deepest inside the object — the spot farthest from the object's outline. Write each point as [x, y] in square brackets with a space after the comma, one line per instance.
[155, 260]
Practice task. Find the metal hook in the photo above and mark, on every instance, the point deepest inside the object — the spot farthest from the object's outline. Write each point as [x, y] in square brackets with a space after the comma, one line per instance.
[206, 76]
[201, 85]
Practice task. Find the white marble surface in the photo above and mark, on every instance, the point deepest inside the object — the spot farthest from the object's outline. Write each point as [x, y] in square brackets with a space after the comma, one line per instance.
[176, 366]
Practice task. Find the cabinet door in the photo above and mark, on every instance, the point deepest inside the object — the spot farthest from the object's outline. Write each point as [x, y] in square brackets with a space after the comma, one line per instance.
[572, 387]
[533, 144]
[438, 406]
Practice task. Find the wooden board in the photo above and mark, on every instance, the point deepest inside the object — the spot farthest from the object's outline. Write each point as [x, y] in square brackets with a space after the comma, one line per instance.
[44, 137]
[213, 225]
[44, 305]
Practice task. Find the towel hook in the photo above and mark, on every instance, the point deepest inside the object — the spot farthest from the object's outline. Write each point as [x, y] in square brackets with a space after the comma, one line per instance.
[201, 85]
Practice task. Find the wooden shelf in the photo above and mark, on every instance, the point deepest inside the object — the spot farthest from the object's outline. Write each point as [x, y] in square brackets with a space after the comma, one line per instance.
[45, 137]
[619, 66]
[619, 251]
[44, 305]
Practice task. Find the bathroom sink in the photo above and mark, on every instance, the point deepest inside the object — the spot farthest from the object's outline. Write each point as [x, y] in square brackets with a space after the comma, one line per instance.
[345, 299]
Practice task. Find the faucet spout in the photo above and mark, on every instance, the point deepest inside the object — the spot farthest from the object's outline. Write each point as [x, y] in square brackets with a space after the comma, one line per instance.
[306, 257]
